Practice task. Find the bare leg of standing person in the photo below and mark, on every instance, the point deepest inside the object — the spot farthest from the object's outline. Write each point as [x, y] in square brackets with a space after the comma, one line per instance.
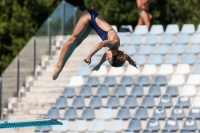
[70, 45]
[145, 18]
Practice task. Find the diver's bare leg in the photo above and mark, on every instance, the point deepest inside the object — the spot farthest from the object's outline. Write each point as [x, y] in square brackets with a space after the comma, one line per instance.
[70, 45]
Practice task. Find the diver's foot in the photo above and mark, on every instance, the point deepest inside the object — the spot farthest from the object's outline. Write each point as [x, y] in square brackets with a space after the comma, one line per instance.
[57, 70]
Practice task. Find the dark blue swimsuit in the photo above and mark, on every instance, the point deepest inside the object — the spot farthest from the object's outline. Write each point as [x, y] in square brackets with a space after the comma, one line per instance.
[102, 33]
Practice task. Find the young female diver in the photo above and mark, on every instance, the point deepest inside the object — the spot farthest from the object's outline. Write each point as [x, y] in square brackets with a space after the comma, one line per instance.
[88, 20]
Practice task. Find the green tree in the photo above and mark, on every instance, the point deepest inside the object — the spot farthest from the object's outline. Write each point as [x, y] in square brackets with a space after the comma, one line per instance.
[19, 20]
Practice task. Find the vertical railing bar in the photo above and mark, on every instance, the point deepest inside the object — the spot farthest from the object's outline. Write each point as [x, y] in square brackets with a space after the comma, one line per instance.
[18, 74]
[34, 55]
[0, 97]
[75, 9]
[49, 34]
[63, 18]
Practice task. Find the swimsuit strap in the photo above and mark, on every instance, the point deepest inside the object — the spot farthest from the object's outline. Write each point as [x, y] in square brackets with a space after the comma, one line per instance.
[110, 29]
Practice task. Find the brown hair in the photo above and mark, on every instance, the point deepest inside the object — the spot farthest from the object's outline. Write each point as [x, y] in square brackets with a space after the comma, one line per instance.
[120, 59]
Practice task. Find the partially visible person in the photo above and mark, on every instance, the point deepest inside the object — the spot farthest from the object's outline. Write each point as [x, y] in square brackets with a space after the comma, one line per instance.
[144, 15]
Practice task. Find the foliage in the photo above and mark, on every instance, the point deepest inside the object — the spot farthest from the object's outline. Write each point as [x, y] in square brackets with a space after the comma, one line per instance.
[19, 20]
[164, 12]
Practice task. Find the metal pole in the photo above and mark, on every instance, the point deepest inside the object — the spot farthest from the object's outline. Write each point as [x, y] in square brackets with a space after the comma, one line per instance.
[34, 55]
[75, 9]
[49, 34]
[18, 74]
[0, 97]
[63, 18]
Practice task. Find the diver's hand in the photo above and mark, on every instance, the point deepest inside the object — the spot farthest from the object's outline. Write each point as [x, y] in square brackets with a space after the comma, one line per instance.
[96, 68]
[87, 60]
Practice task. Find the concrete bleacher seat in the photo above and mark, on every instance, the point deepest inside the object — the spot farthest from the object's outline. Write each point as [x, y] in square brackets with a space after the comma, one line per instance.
[137, 90]
[141, 113]
[130, 49]
[193, 49]
[143, 80]
[96, 102]
[183, 39]
[53, 113]
[130, 70]
[148, 102]
[188, 59]
[103, 91]
[83, 70]
[86, 91]
[120, 91]
[165, 69]
[70, 114]
[172, 91]
[134, 125]
[165, 101]
[61, 103]
[159, 113]
[190, 125]
[183, 102]
[194, 113]
[140, 59]
[177, 80]
[116, 125]
[177, 49]
[156, 29]
[153, 125]
[167, 39]
[177, 113]
[80, 125]
[161, 49]
[172, 59]
[105, 113]
[196, 38]
[124, 113]
[149, 69]
[116, 71]
[145, 50]
[101, 72]
[75, 81]
[172, 29]
[150, 40]
[88, 114]
[155, 59]
[98, 126]
[160, 80]
[141, 30]
[130, 102]
[113, 102]
[69, 92]
[188, 29]
[135, 40]
[78, 102]
[126, 80]
[182, 69]
[154, 90]
[110, 81]
[188, 90]
[93, 81]
[171, 125]
[193, 79]
[64, 128]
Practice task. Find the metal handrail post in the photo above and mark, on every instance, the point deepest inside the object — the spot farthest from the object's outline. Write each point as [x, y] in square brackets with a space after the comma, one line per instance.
[63, 18]
[18, 75]
[0, 97]
[75, 9]
[49, 34]
[34, 55]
